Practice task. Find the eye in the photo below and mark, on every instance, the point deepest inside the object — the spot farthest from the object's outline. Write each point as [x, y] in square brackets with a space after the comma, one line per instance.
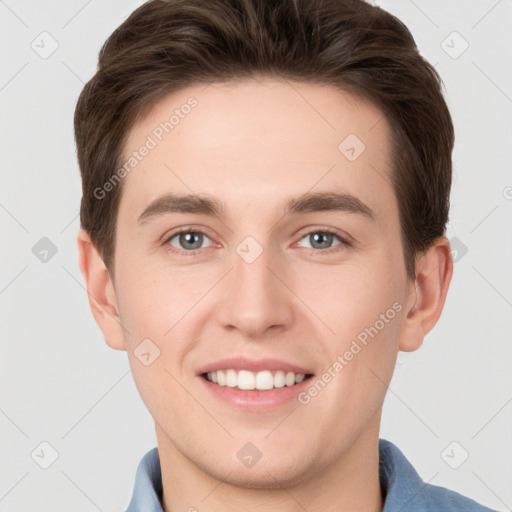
[189, 239]
[321, 240]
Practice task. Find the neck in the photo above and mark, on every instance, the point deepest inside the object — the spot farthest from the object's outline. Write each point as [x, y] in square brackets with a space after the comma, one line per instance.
[348, 484]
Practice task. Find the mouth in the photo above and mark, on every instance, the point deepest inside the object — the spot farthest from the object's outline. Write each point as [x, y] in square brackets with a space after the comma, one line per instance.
[254, 385]
[247, 380]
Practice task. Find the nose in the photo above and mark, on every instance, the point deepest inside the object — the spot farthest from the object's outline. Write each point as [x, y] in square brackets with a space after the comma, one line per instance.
[256, 296]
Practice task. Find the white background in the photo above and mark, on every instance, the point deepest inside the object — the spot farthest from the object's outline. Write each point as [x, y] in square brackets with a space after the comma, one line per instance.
[59, 381]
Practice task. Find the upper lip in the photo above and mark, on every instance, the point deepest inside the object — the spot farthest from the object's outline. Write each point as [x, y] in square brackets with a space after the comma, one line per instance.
[254, 365]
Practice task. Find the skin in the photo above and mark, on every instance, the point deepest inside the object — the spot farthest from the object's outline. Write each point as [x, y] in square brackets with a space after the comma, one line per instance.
[254, 144]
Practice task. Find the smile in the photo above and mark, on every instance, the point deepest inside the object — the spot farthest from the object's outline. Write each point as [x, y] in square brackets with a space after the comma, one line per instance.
[247, 380]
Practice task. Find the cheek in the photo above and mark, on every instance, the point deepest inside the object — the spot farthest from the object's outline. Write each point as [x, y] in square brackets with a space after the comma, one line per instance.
[145, 303]
[160, 305]
[152, 311]
[357, 301]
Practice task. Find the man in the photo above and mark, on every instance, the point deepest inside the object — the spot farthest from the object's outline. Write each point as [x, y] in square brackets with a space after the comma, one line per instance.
[265, 194]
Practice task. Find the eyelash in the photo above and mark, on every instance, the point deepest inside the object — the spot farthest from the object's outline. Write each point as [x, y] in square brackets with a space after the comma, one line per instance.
[330, 231]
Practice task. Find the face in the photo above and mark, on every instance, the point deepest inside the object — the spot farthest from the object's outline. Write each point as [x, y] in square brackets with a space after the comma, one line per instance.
[267, 277]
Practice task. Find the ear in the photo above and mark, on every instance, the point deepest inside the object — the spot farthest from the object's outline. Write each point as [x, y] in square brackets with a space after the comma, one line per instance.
[100, 292]
[427, 294]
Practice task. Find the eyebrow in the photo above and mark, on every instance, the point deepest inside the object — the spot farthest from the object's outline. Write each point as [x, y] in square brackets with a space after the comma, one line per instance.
[208, 205]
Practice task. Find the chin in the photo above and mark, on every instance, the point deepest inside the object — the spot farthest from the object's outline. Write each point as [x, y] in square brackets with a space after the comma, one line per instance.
[274, 471]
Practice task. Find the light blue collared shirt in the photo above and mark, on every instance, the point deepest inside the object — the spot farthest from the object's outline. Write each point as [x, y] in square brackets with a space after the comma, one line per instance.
[405, 491]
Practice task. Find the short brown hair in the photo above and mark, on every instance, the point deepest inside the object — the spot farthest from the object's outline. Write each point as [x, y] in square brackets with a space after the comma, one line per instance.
[167, 45]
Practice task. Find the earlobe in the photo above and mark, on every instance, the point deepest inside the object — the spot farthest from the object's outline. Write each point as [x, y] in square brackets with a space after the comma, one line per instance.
[100, 291]
[428, 293]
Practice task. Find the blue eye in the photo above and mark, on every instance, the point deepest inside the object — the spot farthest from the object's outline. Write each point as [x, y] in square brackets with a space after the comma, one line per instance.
[324, 238]
[190, 240]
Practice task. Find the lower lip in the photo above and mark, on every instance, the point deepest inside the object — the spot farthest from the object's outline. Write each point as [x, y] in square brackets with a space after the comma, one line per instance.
[255, 400]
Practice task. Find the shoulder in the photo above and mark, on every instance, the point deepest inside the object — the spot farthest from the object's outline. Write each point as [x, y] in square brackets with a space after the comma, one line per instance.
[405, 490]
[436, 498]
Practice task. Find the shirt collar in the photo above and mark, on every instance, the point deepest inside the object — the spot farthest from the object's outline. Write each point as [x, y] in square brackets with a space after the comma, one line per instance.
[399, 481]
[147, 492]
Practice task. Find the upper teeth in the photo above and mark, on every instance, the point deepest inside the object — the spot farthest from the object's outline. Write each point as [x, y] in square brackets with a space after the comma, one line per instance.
[244, 379]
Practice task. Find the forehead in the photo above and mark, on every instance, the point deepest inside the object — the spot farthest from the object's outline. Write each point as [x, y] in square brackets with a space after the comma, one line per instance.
[259, 140]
